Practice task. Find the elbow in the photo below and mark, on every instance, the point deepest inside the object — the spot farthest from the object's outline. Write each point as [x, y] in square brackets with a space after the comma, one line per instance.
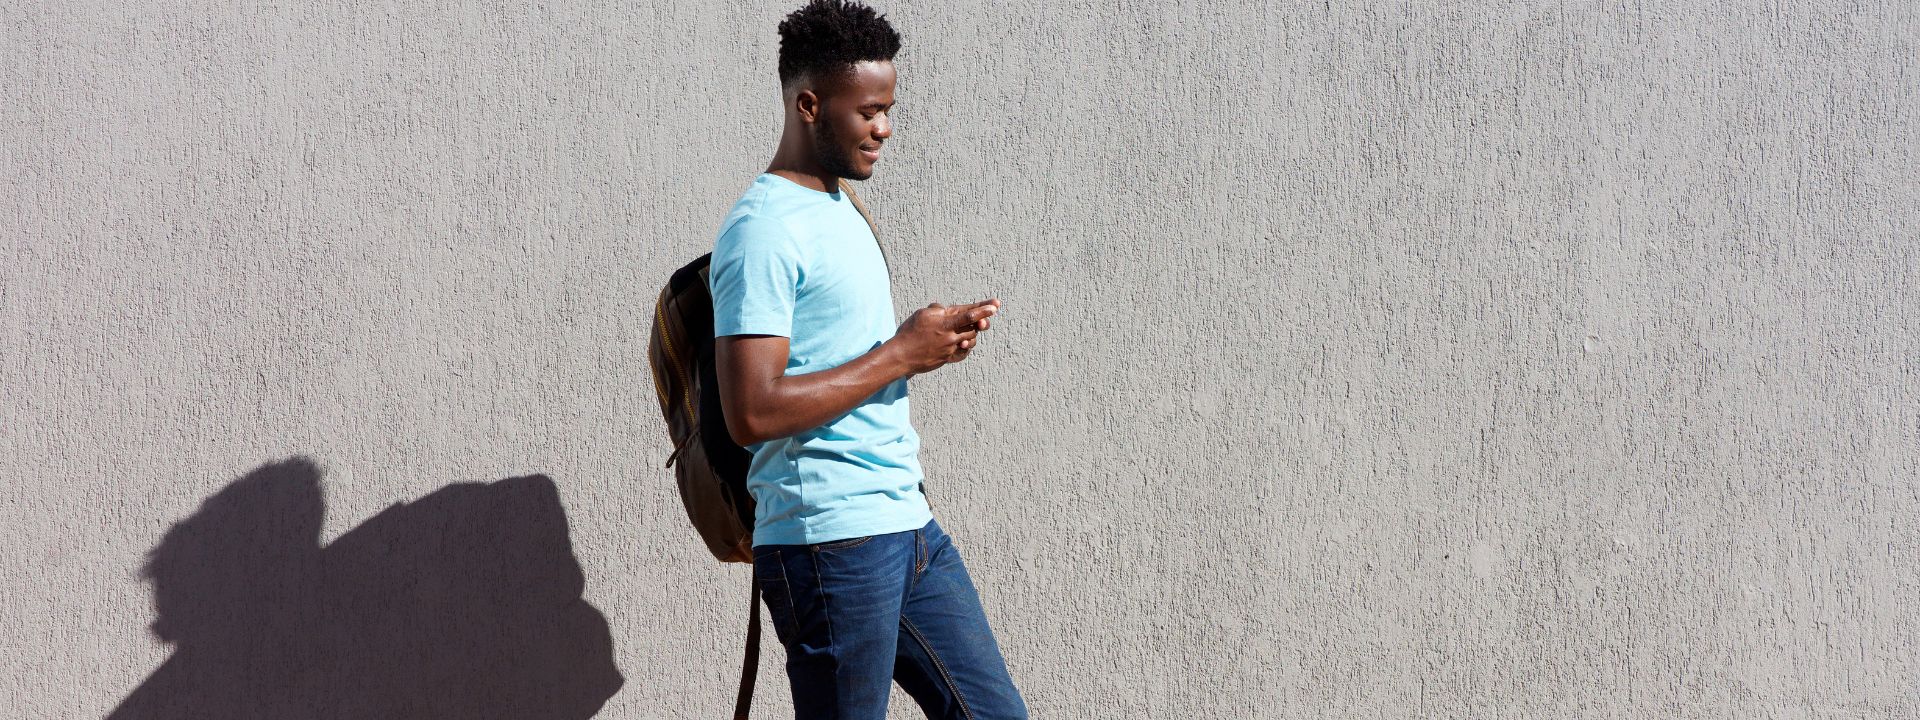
[738, 432]
[744, 429]
[735, 413]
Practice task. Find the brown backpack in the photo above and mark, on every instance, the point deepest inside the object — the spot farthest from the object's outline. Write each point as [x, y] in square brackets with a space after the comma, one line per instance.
[711, 469]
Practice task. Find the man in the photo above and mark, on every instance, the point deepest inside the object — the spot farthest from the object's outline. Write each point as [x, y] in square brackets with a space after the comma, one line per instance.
[863, 587]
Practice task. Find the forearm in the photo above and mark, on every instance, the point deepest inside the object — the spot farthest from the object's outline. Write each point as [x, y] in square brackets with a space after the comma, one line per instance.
[791, 404]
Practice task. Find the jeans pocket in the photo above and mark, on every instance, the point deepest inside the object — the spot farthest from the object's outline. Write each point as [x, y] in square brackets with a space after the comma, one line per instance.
[842, 544]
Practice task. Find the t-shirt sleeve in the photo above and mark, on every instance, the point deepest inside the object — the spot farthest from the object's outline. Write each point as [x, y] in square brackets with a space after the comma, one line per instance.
[754, 276]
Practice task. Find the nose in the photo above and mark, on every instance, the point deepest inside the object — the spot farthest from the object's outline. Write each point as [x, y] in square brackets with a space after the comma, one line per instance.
[883, 129]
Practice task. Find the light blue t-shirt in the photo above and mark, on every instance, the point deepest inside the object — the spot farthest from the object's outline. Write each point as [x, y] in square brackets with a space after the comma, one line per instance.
[803, 264]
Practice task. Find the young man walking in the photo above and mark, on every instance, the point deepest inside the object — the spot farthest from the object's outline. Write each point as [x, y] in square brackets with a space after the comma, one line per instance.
[863, 587]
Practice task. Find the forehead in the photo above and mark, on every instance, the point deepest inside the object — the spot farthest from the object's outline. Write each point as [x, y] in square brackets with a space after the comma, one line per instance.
[866, 81]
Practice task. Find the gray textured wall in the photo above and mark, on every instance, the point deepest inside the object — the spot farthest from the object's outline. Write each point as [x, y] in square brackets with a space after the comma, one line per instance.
[1390, 360]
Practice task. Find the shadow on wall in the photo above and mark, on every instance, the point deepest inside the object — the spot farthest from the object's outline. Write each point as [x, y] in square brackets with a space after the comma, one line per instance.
[463, 604]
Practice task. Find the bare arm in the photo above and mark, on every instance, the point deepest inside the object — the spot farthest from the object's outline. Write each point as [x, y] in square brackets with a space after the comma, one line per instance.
[763, 403]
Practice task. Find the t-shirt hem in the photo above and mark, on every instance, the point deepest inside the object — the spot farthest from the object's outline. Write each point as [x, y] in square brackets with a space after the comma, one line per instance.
[903, 523]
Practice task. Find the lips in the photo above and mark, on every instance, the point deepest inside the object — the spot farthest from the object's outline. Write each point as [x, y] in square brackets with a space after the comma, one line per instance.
[871, 153]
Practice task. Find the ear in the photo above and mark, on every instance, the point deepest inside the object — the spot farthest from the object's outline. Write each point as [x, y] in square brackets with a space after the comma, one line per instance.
[807, 104]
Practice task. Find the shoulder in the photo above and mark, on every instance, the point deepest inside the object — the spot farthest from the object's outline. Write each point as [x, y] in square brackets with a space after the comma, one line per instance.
[750, 229]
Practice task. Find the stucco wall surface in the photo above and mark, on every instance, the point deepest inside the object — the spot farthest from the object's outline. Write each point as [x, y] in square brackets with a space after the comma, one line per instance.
[1358, 360]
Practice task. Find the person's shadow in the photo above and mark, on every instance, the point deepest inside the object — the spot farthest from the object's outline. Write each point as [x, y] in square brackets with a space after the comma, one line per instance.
[463, 604]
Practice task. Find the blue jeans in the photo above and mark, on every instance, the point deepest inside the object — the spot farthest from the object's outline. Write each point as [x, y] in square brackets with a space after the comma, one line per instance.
[859, 614]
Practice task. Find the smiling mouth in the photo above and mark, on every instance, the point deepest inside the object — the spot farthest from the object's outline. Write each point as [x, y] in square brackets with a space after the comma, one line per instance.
[871, 153]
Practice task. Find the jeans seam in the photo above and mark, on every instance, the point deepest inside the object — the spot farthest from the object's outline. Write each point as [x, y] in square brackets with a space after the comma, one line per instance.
[919, 563]
[820, 591]
[924, 557]
[785, 587]
[938, 665]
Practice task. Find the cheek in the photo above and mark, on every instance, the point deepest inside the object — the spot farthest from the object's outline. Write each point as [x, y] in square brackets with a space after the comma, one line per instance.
[856, 131]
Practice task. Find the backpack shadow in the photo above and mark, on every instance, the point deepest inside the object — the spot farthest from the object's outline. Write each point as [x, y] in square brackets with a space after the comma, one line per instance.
[465, 603]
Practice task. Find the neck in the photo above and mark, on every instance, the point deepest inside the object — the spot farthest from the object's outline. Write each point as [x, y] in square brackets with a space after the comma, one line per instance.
[794, 161]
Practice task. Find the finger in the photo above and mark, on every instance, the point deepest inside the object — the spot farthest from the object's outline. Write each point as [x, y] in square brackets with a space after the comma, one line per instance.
[975, 315]
[992, 306]
[982, 324]
[965, 335]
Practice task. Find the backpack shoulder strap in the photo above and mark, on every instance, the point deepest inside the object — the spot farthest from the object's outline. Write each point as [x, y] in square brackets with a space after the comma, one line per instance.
[847, 187]
[750, 666]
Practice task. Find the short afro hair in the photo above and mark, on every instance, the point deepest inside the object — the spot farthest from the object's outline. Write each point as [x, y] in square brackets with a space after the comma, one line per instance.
[828, 36]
